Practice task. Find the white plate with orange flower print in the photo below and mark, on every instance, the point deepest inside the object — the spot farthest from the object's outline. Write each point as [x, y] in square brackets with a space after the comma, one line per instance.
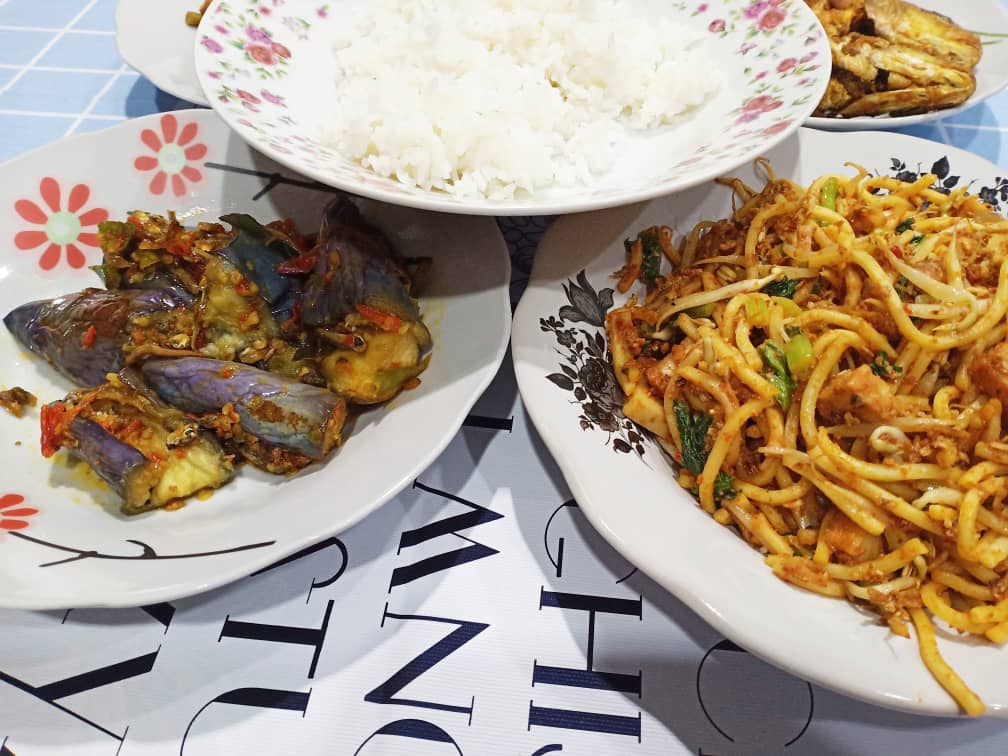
[164, 56]
[63, 541]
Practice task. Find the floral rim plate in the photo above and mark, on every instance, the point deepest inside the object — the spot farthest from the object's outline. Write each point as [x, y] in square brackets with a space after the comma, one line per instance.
[165, 57]
[63, 542]
[252, 59]
[987, 18]
[627, 488]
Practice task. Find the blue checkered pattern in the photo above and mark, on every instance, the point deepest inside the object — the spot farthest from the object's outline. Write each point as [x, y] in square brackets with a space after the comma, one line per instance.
[60, 74]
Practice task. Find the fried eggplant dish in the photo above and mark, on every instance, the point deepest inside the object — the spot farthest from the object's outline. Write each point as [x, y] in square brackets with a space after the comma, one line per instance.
[892, 58]
[226, 343]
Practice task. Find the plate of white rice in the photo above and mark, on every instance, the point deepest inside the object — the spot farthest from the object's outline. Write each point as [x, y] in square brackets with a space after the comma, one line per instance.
[512, 107]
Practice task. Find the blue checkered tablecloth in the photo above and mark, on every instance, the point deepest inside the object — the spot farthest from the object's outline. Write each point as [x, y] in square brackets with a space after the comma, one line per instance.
[60, 73]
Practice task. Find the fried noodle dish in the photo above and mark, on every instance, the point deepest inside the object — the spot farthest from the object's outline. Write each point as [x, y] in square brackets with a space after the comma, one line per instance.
[828, 369]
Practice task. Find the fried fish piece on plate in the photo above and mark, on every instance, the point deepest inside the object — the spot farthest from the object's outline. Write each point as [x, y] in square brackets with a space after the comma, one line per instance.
[892, 57]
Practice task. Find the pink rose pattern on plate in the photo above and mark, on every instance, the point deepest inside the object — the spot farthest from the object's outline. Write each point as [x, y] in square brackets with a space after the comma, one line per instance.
[249, 32]
[781, 61]
[776, 41]
[59, 231]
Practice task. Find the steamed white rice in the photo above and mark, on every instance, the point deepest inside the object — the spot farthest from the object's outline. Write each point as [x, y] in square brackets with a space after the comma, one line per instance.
[495, 98]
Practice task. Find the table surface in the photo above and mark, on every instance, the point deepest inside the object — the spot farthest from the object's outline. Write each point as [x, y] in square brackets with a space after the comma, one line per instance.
[461, 659]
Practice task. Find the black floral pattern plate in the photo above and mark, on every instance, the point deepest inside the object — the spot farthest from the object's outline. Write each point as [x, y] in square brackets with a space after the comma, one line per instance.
[625, 485]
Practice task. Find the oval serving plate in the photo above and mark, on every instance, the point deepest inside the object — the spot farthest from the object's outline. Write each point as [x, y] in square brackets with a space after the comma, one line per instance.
[153, 37]
[634, 501]
[63, 542]
[256, 65]
[986, 18]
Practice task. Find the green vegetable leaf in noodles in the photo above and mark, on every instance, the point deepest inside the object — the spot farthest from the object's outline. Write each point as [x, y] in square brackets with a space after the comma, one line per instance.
[651, 264]
[724, 486]
[785, 287]
[778, 373]
[798, 352]
[829, 193]
[883, 367]
[693, 427]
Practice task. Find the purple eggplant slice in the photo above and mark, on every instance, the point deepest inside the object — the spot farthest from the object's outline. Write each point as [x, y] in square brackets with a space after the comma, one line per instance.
[356, 265]
[232, 274]
[277, 423]
[388, 363]
[164, 282]
[232, 321]
[258, 251]
[115, 462]
[358, 303]
[150, 454]
[82, 334]
[149, 247]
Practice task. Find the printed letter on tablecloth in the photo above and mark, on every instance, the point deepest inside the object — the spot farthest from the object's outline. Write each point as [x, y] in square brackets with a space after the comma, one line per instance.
[462, 634]
[307, 636]
[588, 677]
[416, 729]
[262, 698]
[449, 525]
[320, 546]
[95, 678]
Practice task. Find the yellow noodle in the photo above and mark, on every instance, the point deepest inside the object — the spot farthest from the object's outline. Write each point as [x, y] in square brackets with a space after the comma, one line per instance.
[774, 435]
[757, 525]
[874, 492]
[780, 565]
[896, 472]
[942, 672]
[778, 208]
[780, 497]
[962, 585]
[875, 340]
[940, 608]
[856, 507]
[906, 326]
[744, 345]
[732, 426]
[874, 569]
[998, 633]
[820, 374]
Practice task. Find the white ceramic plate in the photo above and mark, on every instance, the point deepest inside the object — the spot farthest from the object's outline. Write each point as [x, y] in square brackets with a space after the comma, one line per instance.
[634, 501]
[188, 161]
[989, 19]
[152, 36]
[253, 61]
